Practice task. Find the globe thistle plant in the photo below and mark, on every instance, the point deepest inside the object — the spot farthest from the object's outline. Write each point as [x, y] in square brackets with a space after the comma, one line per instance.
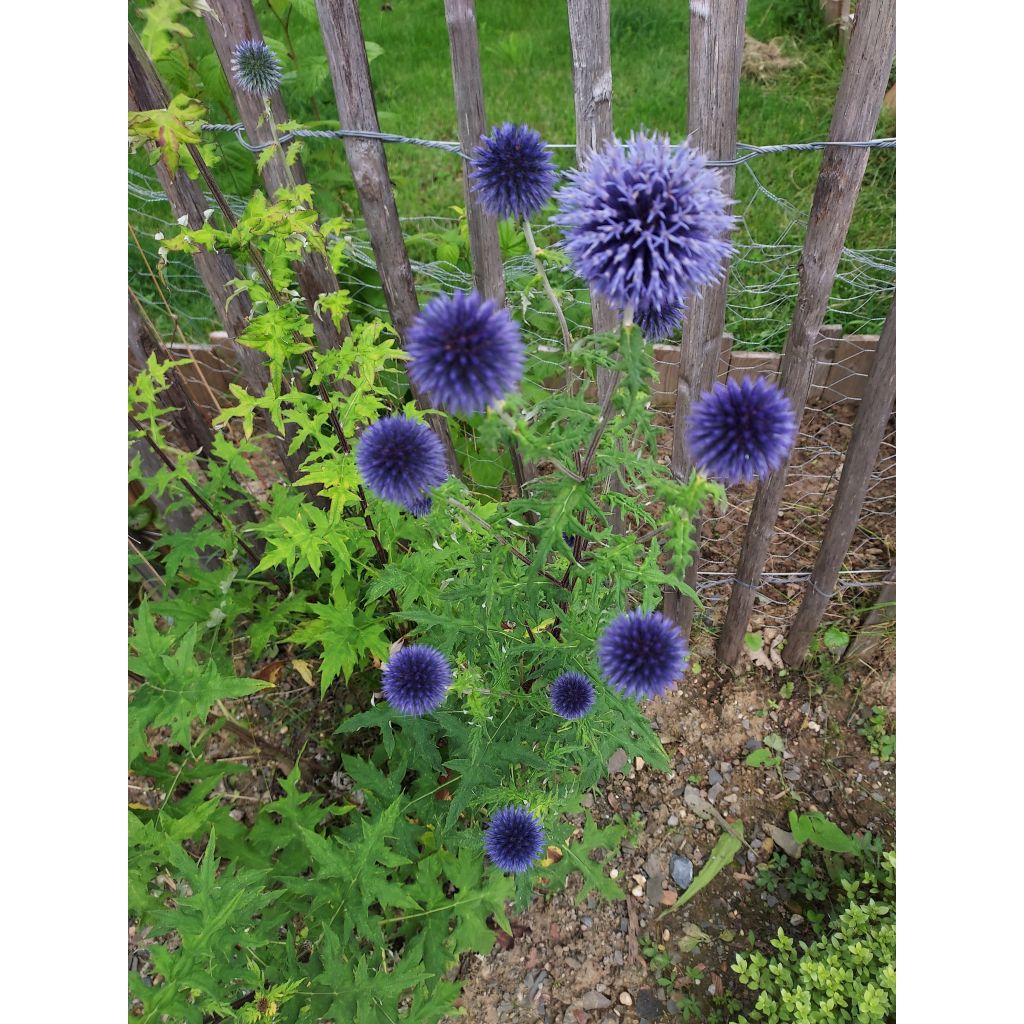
[512, 172]
[642, 654]
[657, 324]
[741, 430]
[465, 352]
[514, 839]
[401, 460]
[646, 223]
[256, 67]
[572, 695]
[416, 679]
[420, 507]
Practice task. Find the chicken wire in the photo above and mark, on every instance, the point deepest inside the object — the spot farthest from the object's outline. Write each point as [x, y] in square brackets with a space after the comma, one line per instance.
[763, 283]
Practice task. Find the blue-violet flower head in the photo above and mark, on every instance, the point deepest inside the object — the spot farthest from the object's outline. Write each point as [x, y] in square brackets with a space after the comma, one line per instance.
[465, 352]
[659, 323]
[741, 430]
[572, 695]
[514, 839]
[256, 67]
[642, 654]
[416, 679]
[646, 224]
[401, 460]
[512, 172]
[420, 507]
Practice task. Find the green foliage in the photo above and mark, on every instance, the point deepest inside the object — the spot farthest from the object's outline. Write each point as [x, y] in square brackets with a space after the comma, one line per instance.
[847, 975]
[356, 911]
[876, 730]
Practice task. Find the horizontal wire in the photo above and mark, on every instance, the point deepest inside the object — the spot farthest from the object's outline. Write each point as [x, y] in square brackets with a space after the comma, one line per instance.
[749, 151]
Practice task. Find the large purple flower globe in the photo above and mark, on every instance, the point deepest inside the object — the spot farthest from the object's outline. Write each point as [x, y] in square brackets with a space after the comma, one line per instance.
[642, 654]
[256, 67]
[416, 679]
[646, 223]
[512, 172]
[401, 460]
[572, 695]
[465, 352]
[741, 430]
[514, 840]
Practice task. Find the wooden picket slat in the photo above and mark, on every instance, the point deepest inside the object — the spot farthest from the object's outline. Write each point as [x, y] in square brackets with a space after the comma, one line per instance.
[847, 375]
[353, 90]
[712, 104]
[229, 22]
[868, 431]
[858, 104]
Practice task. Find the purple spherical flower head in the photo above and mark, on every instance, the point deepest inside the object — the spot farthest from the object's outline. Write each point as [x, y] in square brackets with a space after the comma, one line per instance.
[642, 654]
[420, 507]
[514, 839]
[740, 430]
[572, 695]
[659, 323]
[646, 223]
[465, 352]
[400, 460]
[255, 67]
[512, 171]
[416, 679]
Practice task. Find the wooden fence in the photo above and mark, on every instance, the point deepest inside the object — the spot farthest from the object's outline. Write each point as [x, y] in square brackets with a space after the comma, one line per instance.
[818, 364]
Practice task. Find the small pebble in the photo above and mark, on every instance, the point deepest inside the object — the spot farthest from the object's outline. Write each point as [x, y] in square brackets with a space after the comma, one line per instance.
[673, 820]
[586, 921]
[625, 998]
[714, 776]
[796, 919]
[752, 744]
[681, 870]
[714, 793]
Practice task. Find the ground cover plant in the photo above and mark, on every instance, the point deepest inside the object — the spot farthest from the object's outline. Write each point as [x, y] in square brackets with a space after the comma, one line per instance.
[480, 638]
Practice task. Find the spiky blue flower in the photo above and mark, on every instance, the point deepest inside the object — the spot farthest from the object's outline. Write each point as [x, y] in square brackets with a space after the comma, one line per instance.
[741, 430]
[401, 460]
[642, 654]
[659, 323]
[572, 695]
[514, 839]
[256, 67]
[645, 223]
[416, 679]
[465, 352]
[420, 507]
[512, 171]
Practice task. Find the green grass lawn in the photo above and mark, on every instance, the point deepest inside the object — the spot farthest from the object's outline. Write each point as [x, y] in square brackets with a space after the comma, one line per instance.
[526, 64]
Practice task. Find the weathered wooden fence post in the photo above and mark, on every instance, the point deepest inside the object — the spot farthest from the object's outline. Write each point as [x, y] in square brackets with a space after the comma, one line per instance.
[872, 630]
[868, 430]
[146, 92]
[713, 97]
[187, 417]
[858, 105]
[590, 38]
[229, 23]
[353, 90]
[488, 270]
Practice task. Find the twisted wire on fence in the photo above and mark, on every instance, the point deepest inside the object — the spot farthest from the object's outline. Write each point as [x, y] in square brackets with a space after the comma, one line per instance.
[764, 278]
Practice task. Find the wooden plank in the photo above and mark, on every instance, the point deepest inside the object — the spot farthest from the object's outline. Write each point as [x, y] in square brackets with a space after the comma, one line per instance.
[724, 358]
[229, 23]
[666, 362]
[824, 356]
[488, 270]
[868, 431]
[713, 95]
[353, 89]
[754, 364]
[850, 367]
[858, 104]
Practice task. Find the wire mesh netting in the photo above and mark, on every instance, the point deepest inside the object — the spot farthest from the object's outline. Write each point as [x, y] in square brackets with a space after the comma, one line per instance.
[764, 279]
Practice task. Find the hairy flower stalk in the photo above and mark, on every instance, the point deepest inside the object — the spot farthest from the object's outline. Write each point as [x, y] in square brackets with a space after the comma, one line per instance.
[416, 679]
[741, 430]
[401, 460]
[642, 654]
[465, 352]
[646, 223]
[514, 839]
[256, 67]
